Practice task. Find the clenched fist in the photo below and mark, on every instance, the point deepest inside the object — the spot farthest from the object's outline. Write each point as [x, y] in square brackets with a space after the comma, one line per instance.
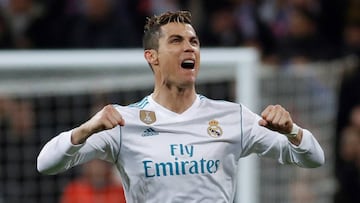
[105, 119]
[276, 118]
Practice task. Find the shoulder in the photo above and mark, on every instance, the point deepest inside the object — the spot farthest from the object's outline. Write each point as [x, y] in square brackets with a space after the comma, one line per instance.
[223, 105]
[218, 103]
[140, 104]
[134, 106]
[131, 111]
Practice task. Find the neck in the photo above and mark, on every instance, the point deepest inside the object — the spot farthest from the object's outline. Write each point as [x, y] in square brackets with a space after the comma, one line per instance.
[175, 99]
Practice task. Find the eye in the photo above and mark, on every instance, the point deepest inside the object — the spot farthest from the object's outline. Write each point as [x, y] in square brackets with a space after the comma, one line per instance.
[175, 40]
[195, 42]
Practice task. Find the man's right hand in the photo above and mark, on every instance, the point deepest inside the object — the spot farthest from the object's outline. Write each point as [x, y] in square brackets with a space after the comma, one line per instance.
[105, 119]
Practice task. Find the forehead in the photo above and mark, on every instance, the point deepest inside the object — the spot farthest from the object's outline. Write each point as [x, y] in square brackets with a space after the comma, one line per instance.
[181, 29]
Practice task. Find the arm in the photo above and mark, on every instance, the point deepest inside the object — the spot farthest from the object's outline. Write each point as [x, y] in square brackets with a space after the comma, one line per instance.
[276, 118]
[268, 137]
[105, 119]
[90, 140]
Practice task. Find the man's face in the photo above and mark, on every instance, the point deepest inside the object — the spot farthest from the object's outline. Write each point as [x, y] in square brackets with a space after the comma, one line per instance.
[178, 55]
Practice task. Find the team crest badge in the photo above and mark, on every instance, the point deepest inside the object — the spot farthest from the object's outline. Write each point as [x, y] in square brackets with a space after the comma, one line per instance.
[147, 117]
[214, 130]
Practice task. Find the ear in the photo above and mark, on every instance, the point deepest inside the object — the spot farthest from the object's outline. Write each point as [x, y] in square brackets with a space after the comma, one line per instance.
[151, 56]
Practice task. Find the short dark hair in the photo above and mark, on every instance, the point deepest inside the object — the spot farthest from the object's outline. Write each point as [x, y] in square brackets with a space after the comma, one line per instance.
[153, 24]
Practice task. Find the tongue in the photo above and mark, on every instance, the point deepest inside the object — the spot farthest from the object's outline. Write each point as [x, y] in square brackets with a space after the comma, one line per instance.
[187, 65]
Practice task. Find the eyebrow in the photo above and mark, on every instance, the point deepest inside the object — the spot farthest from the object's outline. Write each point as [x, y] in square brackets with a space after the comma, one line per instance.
[176, 36]
[180, 36]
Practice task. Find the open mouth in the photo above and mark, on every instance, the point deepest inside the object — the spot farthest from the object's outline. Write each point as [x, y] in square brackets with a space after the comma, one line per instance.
[188, 64]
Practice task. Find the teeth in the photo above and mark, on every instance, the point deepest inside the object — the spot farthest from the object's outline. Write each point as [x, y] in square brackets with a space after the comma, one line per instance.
[188, 61]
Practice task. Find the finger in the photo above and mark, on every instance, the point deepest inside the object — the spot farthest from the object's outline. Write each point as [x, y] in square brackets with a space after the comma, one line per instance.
[109, 124]
[286, 123]
[270, 115]
[110, 117]
[263, 122]
[119, 120]
[283, 121]
[266, 111]
[112, 120]
[278, 114]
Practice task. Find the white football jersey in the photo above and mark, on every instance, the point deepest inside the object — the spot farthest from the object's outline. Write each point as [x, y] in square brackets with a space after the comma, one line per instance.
[164, 157]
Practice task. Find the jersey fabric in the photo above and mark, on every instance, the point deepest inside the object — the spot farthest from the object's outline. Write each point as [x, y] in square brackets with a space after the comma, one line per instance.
[165, 157]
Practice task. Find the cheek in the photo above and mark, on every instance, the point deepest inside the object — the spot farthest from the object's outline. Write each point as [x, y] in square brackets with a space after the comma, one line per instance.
[167, 61]
[198, 61]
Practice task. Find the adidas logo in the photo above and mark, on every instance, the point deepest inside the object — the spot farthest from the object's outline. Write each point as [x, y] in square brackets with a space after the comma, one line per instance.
[149, 132]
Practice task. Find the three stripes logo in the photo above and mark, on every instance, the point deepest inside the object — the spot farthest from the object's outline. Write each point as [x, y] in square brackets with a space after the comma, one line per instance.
[149, 132]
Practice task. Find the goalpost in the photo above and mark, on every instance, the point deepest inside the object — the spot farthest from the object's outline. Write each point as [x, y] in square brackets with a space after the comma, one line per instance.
[70, 72]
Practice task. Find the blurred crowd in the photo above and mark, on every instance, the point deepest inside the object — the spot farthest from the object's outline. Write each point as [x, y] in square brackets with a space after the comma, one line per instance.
[282, 30]
[98, 183]
[347, 142]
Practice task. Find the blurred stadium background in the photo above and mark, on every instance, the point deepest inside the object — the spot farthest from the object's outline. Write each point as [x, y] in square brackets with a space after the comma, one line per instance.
[44, 91]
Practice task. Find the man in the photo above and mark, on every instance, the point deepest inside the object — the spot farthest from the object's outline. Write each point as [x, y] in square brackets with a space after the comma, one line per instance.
[176, 145]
